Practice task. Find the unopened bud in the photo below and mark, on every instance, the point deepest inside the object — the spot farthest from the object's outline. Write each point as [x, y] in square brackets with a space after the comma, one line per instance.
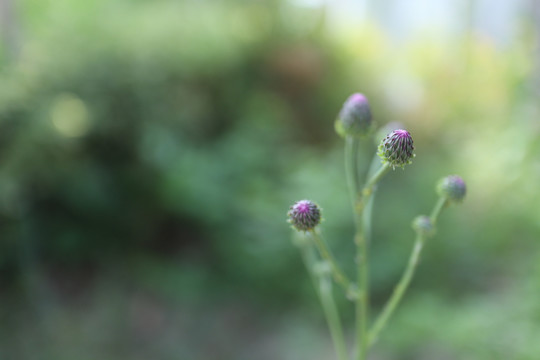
[396, 149]
[304, 215]
[452, 187]
[355, 118]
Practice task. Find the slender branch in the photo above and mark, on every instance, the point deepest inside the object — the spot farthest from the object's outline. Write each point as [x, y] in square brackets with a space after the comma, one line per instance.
[367, 216]
[441, 203]
[399, 290]
[352, 174]
[362, 303]
[337, 273]
[332, 316]
[323, 288]
[351, 168]
[403, 284]
[363, 209]
[370, 184]
[361, 200]
[368, 209]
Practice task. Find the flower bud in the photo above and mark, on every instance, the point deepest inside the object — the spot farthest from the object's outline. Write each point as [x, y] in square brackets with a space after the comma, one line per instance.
[422, 225]
[304, 215]
[355, 118]
[452, 187]
[397, 148]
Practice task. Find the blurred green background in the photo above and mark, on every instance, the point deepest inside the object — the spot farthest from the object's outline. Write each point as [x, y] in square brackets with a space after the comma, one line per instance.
[149, 151]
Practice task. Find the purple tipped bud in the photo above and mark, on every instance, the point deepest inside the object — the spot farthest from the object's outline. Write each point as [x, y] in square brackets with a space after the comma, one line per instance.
[397, 148]
[422, 224]
[355, 118]
[452, 187]
[304, 215]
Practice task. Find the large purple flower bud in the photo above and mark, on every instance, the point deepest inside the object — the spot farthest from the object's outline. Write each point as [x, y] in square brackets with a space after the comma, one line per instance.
[452, 187]
[397, 148]
[355, 118]
[304, 215]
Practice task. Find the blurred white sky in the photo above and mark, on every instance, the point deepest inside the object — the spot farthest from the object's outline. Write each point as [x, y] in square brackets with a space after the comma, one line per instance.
[402, 19]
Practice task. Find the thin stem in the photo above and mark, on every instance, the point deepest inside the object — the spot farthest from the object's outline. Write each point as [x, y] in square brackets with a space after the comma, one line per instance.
[351, 167]
[362, 302]
[441, 203]
[368, 209]
[332, 316]
[360, 201]
[370, 184]
[367, 215]
[363, 209]
[401, 287]
[352, 174]
[323, 288]
[337, 273]
[399, 290]
[310, 260]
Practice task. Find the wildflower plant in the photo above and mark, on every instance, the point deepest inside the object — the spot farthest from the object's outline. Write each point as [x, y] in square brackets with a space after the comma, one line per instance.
[355, 124]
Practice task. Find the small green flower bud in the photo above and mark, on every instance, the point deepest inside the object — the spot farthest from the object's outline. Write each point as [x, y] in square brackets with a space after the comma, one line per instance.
[452, 187]
[304, 215]
[422, 224]
[397, 148]
[355, 118]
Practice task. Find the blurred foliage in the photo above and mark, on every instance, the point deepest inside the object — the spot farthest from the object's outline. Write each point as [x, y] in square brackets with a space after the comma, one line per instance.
[150, 151]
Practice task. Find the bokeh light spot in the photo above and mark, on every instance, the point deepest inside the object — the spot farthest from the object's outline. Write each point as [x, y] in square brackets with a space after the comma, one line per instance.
[69, 115]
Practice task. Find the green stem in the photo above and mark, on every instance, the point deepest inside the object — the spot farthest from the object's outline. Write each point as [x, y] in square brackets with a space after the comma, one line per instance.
[337, 273]
[399, 290]
[361, 201]
[441, 203]
[367, 215]
[401, 287]
[352, 174]
[332, 316]
[364, 211]
[370, 184]
[362, 302]
[368, 209]
[323, 287]
[351, 167]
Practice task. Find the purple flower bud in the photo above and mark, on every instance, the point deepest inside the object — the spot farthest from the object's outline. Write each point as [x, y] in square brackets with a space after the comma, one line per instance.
[355, 118]
[304, 215]
[422, 224]
[452, 187]
[397, 148]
